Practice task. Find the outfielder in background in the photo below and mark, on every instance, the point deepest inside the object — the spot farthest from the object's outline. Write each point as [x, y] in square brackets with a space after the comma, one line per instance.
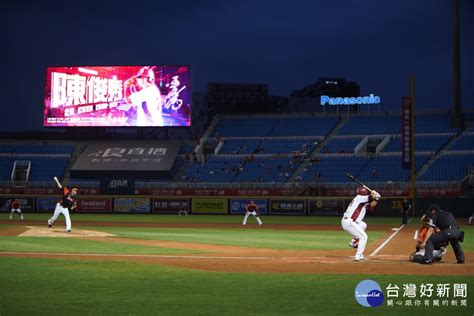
[145, 96]
[424, 233]
[15, 208]
[352, 221]
[252, 209]
[66, 204]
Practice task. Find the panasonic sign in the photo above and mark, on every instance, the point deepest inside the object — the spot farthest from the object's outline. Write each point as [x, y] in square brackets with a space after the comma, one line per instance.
[370, 99]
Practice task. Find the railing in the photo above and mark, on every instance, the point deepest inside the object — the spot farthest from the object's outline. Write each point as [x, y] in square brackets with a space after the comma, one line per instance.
[292, 185]
[46, 184]
[251, 185]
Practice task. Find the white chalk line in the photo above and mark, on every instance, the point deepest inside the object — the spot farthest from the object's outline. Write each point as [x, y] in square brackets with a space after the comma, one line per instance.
[386, 241]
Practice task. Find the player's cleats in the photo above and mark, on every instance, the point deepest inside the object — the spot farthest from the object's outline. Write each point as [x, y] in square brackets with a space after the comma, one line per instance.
[359, 258]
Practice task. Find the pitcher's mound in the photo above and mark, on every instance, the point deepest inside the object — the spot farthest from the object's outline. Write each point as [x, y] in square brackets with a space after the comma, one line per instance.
[34, 231]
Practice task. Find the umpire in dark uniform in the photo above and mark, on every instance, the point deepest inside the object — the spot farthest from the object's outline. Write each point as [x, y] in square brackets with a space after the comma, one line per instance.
[449, 231]
[406, 207]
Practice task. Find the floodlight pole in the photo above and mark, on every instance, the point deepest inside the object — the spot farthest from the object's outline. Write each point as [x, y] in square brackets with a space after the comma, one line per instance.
[412, 141]
[457, 119]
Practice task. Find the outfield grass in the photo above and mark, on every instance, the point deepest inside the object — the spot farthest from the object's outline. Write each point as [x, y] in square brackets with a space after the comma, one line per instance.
[233, 219]
[77, 245]
[256, 238]
[253, 238]
[64, 287]
[32, 286]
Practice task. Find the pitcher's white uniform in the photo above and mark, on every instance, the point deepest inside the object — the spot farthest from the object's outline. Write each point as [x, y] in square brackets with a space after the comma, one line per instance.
[68, 202]
[352, 221]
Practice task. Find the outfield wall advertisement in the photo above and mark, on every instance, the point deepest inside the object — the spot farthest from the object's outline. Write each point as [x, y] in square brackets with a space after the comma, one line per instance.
[326, 207]
[209, 206]
[93, 205]
[170, 206]
[287, 207]
[132, 205]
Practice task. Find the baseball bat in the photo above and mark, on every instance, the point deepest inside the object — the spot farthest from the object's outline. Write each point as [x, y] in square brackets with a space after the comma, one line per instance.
[354, 179]
[57, 182]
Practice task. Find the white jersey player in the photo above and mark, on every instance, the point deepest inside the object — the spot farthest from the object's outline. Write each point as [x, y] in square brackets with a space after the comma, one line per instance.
[352, 221]
[252, 209]
[147, 99]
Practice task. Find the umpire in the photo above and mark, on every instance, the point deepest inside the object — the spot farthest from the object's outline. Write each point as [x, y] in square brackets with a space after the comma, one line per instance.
[449, 231]
[405, 209]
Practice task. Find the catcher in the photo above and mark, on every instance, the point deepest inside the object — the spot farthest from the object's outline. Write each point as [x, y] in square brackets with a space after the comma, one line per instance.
[252, 209]
[424, 233]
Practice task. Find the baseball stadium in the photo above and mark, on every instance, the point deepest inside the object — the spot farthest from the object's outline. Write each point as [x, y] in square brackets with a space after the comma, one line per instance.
[144, 193]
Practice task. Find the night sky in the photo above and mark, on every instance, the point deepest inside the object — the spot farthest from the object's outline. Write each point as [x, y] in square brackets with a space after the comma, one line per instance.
[286, 44]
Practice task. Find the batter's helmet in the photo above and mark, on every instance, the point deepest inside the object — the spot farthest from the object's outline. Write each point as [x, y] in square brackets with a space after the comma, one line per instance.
[361, 190]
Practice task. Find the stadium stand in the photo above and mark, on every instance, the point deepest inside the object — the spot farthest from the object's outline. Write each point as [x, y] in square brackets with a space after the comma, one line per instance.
[279, 150]
[274, 127]
[423, 143]
[244, 127]
[333, 168]
[388, 168]
[305, 126]
[343, 144]
[272, 146]
[464, 143]
[372, 125]
[454, 163]
[239, 146]
[46, 160]
[449, 167]
[434, 123]
[257, 136]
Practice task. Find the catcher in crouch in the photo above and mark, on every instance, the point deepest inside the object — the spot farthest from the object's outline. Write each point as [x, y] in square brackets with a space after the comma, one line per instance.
[424, 233]
[352, 221]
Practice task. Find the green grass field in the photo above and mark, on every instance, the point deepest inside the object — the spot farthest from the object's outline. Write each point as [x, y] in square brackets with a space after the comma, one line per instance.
[234, 219]
[47, 286]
